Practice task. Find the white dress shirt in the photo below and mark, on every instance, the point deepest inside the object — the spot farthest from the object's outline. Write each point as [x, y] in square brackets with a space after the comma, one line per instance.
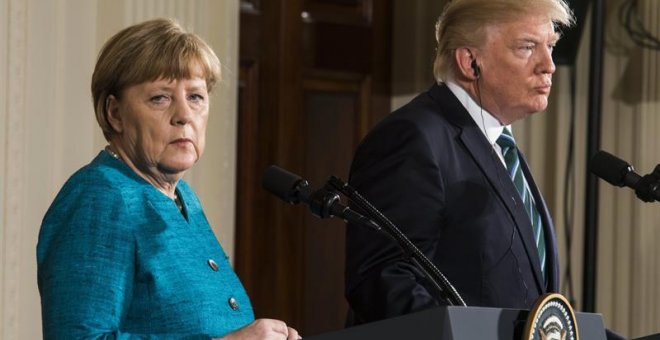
[487, 123]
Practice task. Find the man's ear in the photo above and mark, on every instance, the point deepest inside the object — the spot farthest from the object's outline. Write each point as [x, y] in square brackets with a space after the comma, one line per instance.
[112, 113]
[466, 61]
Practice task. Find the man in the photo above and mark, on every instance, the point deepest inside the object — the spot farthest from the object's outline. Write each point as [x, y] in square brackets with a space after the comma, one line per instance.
[445, 169]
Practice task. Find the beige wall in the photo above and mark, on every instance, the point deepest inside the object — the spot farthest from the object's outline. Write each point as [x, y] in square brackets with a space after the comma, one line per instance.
[48, 130]
[629, 230]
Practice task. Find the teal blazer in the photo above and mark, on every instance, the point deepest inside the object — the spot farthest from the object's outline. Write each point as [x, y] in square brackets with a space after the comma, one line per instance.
[117, 259]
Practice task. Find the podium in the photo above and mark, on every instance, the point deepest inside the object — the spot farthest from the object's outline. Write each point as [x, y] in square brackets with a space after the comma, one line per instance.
[650, 337]
[459, 323]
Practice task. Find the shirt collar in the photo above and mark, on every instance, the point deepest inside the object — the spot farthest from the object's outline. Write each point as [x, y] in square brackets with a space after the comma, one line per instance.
[487, 123]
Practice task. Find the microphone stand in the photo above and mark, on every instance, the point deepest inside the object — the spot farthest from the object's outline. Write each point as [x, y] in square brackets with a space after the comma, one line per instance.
[325, 203]
[447, 292]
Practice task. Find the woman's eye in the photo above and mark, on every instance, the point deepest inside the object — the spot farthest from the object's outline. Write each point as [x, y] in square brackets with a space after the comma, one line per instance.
[195, 97]
[159, 99]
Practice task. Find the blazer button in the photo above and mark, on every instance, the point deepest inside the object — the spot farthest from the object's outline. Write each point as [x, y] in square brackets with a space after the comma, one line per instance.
[233, 303]
[213, 265]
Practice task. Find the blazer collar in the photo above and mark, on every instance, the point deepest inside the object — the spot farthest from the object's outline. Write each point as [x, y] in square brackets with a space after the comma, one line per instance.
[489, 125]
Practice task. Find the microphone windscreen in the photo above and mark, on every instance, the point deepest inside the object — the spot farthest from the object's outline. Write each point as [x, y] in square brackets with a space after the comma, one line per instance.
[610, 168]
[282, 184]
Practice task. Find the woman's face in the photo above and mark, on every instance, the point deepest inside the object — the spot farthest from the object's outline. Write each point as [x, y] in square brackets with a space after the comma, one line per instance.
[161, 125]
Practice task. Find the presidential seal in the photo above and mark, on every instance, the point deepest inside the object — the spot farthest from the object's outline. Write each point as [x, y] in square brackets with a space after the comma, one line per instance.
[552, 318]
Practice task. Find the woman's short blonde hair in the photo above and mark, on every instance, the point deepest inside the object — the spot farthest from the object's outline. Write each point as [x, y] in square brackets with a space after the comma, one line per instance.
[158, 48]
[463, 23]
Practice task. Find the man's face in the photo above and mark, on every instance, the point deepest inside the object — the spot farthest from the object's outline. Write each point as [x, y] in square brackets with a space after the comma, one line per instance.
[516, 68]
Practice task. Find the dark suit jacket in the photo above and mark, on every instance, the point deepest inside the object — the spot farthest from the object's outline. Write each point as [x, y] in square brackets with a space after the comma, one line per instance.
[429, 168]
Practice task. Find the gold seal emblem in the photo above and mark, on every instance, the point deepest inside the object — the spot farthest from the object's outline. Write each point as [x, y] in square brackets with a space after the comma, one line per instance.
[552, 318]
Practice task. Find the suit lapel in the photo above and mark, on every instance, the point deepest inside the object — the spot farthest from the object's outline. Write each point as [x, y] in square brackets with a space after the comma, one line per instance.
[486, 158]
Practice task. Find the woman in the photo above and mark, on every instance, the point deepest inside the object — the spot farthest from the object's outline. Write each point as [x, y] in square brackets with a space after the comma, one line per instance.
[125, 249]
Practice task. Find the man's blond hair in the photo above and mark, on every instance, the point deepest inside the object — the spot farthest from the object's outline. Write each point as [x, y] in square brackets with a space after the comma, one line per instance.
[463, 23]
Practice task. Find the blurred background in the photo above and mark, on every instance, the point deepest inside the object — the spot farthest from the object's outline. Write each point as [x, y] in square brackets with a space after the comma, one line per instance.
[303, 81]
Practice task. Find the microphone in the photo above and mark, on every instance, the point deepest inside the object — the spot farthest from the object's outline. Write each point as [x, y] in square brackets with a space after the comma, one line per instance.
[323, 203]
[613, 170]
[619, 173]
[287, 186]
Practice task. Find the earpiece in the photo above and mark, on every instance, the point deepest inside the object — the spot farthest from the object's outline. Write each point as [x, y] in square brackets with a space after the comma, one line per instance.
[476, 69]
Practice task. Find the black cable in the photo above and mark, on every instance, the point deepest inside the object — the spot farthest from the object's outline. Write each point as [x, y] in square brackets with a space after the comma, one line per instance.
[569, 194]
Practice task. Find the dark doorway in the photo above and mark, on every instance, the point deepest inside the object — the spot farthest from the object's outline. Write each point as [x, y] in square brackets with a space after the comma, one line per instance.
[314, 77]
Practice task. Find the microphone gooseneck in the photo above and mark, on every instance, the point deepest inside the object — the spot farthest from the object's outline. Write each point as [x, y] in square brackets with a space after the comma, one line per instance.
[325, 203]
[446, 290]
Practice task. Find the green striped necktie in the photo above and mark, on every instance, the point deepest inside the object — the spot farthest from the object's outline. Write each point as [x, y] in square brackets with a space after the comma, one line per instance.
[510, 153]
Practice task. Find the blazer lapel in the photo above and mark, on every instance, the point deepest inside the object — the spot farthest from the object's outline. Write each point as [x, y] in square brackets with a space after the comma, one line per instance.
[486, 158]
